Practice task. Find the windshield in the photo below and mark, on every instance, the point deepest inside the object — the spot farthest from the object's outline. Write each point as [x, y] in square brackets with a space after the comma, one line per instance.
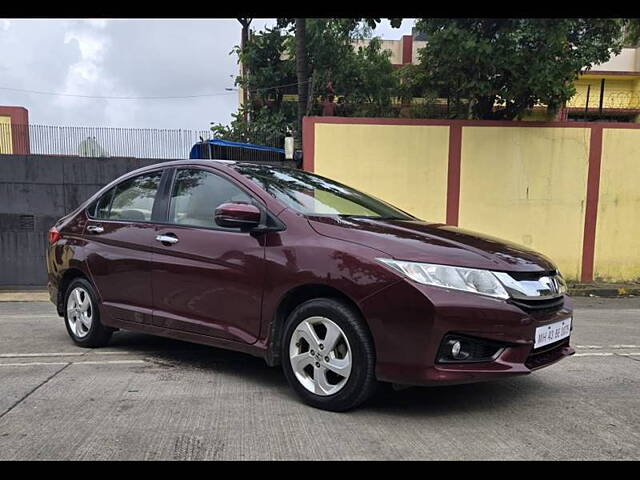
[314, 195]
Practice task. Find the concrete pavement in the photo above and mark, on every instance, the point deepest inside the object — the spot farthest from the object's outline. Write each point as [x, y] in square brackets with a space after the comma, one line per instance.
[145, 397]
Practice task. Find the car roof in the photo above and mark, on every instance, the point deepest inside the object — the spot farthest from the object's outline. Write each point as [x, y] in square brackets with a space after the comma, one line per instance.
[206, 162]
[193, 161]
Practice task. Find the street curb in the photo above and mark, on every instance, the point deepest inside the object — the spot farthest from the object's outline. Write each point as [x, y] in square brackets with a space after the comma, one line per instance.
[24, 296]
[604, 290]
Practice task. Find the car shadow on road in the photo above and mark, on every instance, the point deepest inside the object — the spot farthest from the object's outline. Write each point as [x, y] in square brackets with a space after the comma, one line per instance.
[446, 400]
[169, 353]
[433, 401]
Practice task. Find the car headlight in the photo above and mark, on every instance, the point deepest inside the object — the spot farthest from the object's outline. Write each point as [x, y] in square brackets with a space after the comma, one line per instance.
[471, 280]
[562, 284]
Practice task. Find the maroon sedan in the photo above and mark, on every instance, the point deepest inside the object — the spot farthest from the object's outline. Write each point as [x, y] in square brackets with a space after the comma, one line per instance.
[341, 289]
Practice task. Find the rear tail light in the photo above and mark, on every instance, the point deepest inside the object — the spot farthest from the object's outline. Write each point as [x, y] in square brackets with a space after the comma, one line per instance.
[54, 235]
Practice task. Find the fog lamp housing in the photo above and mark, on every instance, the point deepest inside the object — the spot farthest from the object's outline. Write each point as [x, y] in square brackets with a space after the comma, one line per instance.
[463, 349]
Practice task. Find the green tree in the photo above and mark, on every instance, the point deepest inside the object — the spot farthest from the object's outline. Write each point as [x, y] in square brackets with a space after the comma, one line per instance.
[268, 65]
[632, 32]
[368, 81]
[269, 70]
[359, 75]
[500, 68]
[267, 126]
[270, 60]
[315, 40]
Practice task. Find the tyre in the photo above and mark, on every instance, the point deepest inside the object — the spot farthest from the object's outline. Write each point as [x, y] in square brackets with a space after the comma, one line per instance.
[82, 315]
[328, 355]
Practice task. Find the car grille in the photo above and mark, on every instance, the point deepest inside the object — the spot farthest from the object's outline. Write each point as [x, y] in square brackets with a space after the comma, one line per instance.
[530, 294]
[531, 275]
[549, 305]
[545, 355]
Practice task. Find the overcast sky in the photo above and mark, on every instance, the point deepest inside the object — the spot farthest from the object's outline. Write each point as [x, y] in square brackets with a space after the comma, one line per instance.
[126, 58]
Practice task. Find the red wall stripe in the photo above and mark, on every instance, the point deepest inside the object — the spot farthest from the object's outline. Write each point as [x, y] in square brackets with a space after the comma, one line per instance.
[453, 174]
[407, 49]
[308, 143]
[591, 208]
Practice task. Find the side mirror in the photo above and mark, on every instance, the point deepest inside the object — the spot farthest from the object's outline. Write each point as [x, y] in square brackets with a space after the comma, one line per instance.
[237, 215]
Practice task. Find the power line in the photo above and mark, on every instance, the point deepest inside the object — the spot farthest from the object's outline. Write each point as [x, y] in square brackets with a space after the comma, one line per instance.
[102, 97]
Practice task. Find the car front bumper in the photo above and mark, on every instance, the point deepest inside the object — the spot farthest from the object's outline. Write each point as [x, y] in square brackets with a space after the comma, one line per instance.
[409, 321]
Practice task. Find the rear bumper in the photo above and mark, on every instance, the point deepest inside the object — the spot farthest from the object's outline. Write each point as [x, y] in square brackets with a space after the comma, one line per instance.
[52, 283]
[54, 275]
[408, 323]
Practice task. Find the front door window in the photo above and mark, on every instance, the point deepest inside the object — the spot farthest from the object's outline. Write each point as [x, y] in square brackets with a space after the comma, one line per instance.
[197, 193]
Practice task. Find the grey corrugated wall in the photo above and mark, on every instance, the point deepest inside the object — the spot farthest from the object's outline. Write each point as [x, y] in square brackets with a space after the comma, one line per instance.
[36, 190]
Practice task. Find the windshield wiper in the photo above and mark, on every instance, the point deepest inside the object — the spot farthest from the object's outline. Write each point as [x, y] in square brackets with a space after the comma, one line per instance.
[372, 217]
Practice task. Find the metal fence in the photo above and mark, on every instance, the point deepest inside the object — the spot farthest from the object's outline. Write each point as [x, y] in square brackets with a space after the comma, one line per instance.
[597, 104]
[110, 141]
[99, 141]
[618, 99]
[617, 105]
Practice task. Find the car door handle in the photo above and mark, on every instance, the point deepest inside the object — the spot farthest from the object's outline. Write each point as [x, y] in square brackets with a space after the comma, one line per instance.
[167, 239]
[95, 229]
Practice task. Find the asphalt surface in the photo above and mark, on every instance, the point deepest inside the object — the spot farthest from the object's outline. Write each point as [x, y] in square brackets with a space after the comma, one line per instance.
[145, 397]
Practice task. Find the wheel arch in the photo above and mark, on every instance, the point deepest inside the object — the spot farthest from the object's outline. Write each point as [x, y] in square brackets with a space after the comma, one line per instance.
[289, 301]
[67, 277]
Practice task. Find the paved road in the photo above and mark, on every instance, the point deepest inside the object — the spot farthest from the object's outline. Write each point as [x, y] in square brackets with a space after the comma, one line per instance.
[145, 397]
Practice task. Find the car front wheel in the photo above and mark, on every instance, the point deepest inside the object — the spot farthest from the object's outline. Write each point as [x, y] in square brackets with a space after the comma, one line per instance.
[328, 355]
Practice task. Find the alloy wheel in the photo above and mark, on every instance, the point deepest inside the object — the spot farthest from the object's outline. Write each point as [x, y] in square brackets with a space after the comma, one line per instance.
[320, 356]
[79, 312]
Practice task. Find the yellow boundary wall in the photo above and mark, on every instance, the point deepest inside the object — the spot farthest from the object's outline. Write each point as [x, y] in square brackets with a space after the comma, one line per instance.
[569, 190]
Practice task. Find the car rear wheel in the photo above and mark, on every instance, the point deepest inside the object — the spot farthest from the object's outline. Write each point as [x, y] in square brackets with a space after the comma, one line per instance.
[82, 315]
[328, 355]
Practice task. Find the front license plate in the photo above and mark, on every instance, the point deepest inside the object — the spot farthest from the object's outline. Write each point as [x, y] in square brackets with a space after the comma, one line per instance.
[552, 333]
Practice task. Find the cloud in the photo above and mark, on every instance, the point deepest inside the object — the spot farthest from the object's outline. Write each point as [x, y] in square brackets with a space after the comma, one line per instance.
[121, 58]
[97, 22]
[87, 75]
[126, 57]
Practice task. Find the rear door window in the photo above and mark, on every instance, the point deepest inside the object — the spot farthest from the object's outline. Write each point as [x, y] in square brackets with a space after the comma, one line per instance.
[101, 208]
[132, 199]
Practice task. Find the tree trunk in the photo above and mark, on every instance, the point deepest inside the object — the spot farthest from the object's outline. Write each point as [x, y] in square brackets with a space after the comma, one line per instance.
[484, 108]
[244, 39]
[301, 69]
[245, 22]
[310, 93]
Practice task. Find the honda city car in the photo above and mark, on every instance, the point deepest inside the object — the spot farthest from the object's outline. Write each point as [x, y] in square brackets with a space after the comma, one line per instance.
[343, 290]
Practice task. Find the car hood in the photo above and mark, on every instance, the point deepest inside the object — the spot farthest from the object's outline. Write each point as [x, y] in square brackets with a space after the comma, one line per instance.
[419, 241]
